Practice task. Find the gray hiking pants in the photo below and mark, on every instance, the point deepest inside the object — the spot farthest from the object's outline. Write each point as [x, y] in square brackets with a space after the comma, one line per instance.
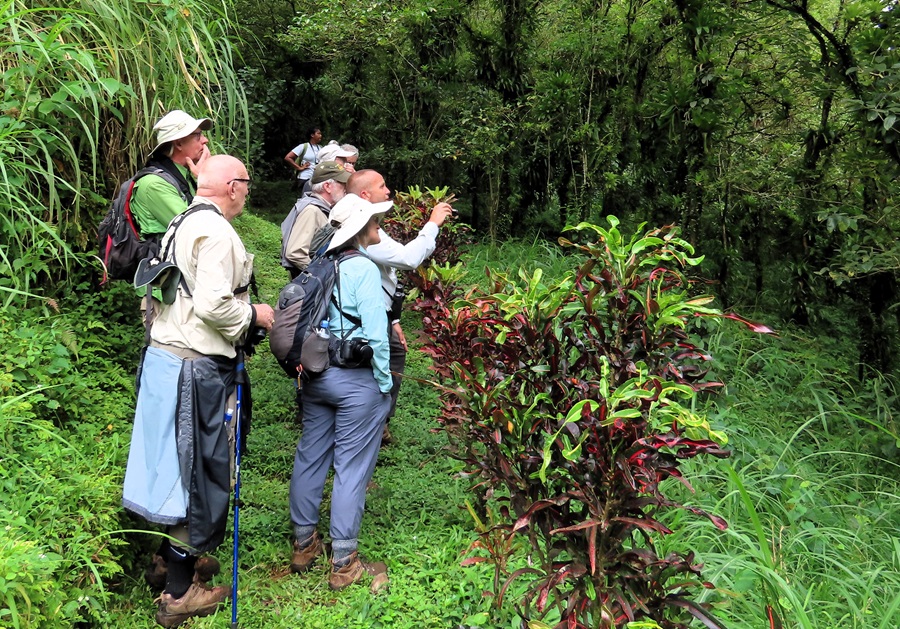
[343, 416]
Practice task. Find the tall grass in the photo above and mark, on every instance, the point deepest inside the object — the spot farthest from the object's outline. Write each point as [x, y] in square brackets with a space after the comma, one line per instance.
[810, 493]
[510, 255]
[84, 82]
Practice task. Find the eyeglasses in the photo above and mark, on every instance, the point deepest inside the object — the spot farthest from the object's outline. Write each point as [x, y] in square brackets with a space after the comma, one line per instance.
[249, 182]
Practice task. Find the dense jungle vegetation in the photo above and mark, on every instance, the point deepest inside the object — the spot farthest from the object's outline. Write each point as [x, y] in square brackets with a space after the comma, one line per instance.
[768, 131]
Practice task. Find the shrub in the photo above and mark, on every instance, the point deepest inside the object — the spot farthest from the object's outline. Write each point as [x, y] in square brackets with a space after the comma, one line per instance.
[66, 403]
[412, 210]
[56, 552]
[571, 402]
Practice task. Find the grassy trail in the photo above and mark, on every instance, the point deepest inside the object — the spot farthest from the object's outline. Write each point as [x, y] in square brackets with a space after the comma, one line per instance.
[810, 494]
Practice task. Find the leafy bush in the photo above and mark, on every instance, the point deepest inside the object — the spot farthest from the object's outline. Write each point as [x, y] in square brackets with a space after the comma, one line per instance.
[571, 403]
[412, 210]
[66, 403]
[56, 549]
[79, 362]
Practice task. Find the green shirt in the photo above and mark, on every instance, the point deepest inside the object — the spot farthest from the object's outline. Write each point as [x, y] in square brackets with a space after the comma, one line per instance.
[155, 202]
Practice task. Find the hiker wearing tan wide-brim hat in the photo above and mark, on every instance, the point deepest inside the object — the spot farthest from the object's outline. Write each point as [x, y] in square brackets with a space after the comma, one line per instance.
[180, 150]
[169, 185]
[180, 137]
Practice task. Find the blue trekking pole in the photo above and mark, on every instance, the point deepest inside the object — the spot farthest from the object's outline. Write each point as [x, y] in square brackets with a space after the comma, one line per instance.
[240, 380]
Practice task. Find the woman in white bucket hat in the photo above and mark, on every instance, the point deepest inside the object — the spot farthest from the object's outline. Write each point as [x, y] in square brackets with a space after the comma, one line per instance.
[344, 408]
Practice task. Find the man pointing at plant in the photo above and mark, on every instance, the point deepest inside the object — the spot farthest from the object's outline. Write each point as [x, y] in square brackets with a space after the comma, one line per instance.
[391, 255]
[178, 470]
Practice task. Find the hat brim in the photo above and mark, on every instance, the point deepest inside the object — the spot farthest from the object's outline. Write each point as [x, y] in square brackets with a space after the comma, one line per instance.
[204, 124]
[162, 275]
[356, 222]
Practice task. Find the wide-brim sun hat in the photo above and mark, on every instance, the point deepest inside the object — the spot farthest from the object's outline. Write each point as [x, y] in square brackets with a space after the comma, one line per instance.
[353, 214]
[176, 125]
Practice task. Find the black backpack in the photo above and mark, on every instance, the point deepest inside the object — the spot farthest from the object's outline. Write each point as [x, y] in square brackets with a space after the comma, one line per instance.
[301, 307]
[121, 245]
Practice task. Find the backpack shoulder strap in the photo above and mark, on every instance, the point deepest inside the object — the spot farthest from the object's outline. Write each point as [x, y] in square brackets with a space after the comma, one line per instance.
[303, 148]
[346, 254]
[176, 223]
[167, 169]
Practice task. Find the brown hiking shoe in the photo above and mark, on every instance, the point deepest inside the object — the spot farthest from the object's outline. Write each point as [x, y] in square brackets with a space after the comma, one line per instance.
[305, 557]
[386, 437]
[199, 600]
[204, 570]
[353, 571]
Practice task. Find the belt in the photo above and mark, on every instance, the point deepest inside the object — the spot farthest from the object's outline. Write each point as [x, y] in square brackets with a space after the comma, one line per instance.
[181, 352]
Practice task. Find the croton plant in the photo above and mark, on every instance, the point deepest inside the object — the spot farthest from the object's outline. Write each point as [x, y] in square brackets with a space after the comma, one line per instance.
[570, 402]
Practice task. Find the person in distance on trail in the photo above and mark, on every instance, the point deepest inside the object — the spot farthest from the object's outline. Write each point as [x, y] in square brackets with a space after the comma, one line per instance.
[304, 157]
[309, 213]
[391, 255]
[178, 471]
[344, 407]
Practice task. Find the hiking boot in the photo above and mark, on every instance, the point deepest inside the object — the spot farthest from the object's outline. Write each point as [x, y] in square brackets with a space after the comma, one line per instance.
[199, 600]
[204, 570]
[386, 437]
[305, 557]
[353, 571]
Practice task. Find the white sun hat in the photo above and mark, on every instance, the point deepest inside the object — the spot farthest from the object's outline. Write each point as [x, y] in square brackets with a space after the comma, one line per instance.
[353, 214]
[176, 125]
[332, 150]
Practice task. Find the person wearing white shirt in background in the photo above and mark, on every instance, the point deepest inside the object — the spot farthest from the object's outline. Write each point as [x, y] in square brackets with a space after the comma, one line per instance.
[304, 157]
[391, 255]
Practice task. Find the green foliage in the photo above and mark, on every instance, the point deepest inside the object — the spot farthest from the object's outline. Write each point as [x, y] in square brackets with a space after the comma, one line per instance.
[57, 550]
[84, 81]
[72, 368]
[575, 400]
[758, 127]
[808, 492]
[73, 361]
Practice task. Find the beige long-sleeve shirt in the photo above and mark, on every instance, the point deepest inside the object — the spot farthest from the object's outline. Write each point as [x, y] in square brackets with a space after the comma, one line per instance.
[298, 229]
[213, 263]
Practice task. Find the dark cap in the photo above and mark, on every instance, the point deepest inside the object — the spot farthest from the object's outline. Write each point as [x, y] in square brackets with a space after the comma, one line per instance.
[329, 170]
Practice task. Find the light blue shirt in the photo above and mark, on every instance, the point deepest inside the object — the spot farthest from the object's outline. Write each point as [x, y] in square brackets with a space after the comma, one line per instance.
[361, 296]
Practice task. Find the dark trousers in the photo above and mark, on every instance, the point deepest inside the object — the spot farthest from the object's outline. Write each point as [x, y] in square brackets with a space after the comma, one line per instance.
[398, 365]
